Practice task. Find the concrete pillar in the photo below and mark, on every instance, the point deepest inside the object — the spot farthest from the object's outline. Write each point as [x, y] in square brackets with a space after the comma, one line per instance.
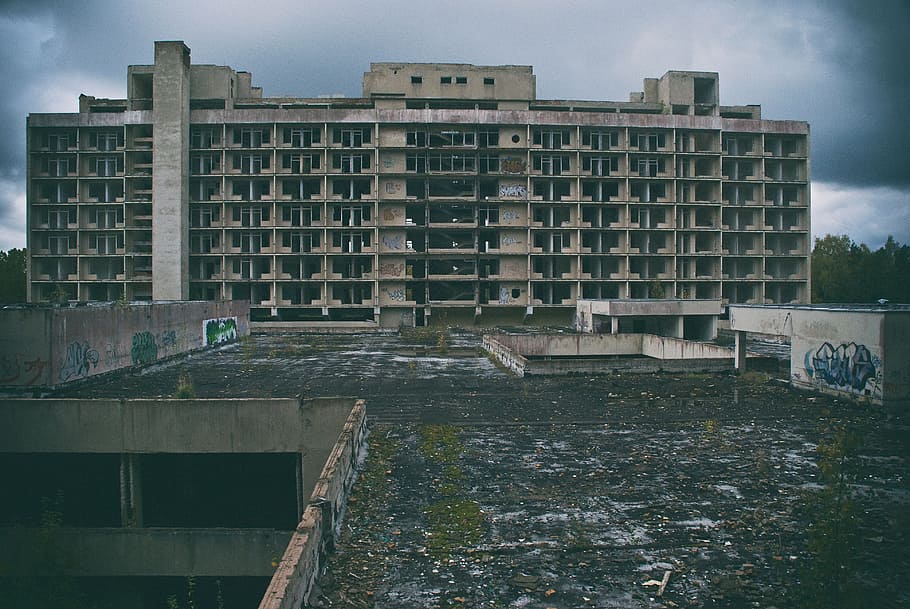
[301, 498]
[170, 179]
[739, 350]
[680, 331]
[614, 325]
[130, 491]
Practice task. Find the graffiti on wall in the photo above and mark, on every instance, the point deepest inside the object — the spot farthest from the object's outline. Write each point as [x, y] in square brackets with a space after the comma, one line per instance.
[391, 269]
[391, 214]
[80, 359]
[397, 294]
[512, 191]
[219, 330]
[510, 240]
[19, 370]
[504, 296]
[848, 367]
[144, 349]
[510, 214]
[514, 165]
[393, 242]
[392, 187]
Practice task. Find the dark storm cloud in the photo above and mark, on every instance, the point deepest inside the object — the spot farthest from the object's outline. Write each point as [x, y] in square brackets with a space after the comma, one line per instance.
[837, 64]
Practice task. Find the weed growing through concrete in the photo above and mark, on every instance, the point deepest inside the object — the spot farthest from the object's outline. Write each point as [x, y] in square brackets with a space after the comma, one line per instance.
[185, 390]
[831, 578]
[451, 522]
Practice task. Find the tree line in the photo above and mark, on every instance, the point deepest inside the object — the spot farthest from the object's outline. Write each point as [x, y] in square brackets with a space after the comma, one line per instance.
[844, 272]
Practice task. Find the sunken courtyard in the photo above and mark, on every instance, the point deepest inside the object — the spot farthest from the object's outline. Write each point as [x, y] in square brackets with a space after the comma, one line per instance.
[484, 489]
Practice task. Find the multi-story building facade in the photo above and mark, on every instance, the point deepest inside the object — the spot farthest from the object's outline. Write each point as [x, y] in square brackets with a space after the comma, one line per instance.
[446, 187]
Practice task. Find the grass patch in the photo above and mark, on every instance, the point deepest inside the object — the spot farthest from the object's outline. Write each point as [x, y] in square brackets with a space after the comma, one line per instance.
[753, 377]
[452, 524]
[440, 443]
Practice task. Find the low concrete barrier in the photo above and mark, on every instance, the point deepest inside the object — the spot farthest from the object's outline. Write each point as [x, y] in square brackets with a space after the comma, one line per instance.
[557, 354]
[315, 535]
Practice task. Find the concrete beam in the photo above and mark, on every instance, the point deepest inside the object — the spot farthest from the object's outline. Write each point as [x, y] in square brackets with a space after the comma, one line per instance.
[143, 552]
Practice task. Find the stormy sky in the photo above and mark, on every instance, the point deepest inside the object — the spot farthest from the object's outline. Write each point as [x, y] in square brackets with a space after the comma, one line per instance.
[840, 65]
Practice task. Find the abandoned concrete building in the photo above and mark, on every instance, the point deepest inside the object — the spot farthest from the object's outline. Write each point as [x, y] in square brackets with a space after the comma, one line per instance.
[446, 188]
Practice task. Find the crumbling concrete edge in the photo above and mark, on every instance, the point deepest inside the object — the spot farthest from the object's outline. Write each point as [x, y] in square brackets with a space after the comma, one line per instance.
[302, 562]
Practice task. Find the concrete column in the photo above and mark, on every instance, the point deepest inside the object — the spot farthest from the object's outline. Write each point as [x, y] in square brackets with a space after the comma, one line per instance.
[170, 179]
[680, 327]
[130, 491]
[739, 350]
[301, 499]
[614, 325]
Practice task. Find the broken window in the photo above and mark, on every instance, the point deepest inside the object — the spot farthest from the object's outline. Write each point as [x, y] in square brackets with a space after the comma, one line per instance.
[546, 138]
[300, 215]
[106, 166]
[489, 81]
[488, 138]
[351, 137]
[416, 80]
[105, 140]
[351, 215]
[600, 165]
[551, 164]
[300, 137]
[600, 140]
[247, 137]
[452, 162]
[204, 164]
[452, 137]
[350, 163]
[251, 163]
[300, 163]
[648, 141]
[416, 138]
[201, 137]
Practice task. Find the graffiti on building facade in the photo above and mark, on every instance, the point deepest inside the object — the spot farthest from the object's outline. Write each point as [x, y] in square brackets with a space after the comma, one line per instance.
[80, 359]
[19, 369]
[847, 367]
[510, 215]
[397, 294]
[514, 165]
[393, 242]
[144, 350]
[509, 240]
[507, 191]
[219, 330]
[391, 214]
[391, 269]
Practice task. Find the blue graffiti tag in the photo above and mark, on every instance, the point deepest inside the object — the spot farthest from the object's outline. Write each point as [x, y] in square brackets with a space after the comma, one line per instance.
[848, 366]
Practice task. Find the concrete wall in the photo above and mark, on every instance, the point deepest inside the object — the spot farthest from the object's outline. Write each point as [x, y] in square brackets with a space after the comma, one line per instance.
[44, 346]
[576, 353]
[860, 352]
[145, 552]
[242, 425]
[305, 555]
[329, 432]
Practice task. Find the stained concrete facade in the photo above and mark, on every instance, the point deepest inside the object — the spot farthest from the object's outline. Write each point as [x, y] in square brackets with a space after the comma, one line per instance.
[45, 345]
[686, 319]
[321, 439]
[445, 189]
[862, 351]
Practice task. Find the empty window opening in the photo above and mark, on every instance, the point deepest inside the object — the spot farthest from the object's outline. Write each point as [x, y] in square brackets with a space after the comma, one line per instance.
[489, 81]
[416, 80]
